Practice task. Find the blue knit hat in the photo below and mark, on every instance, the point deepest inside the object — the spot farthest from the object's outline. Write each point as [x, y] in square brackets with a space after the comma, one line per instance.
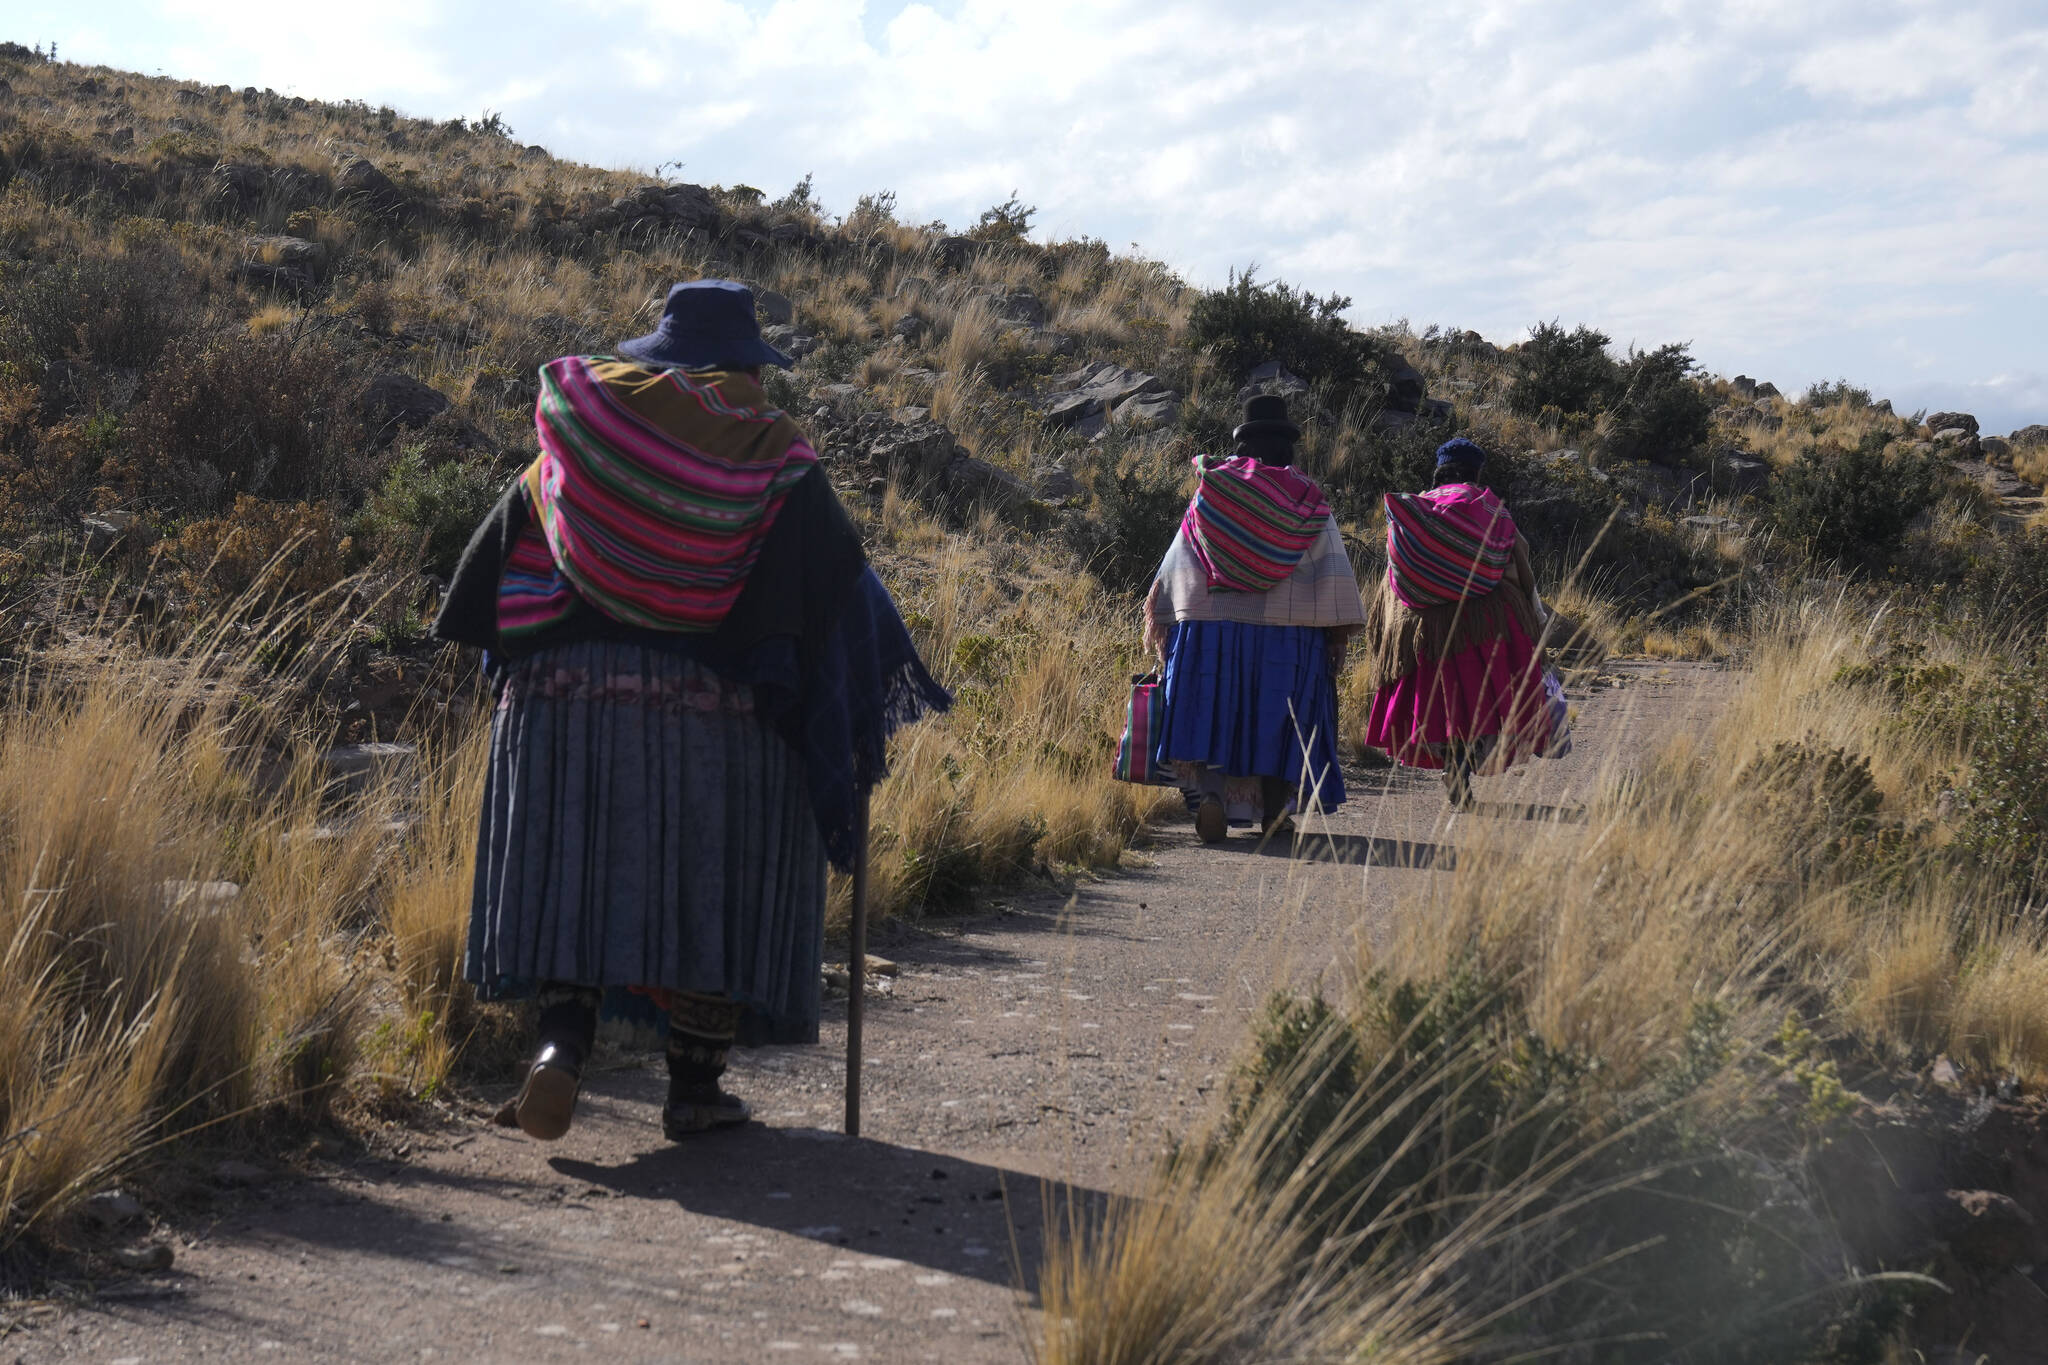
[706, 323]
[1458, 450]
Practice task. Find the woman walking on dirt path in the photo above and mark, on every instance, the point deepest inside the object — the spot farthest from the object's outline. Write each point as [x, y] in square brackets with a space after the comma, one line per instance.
[1457, 676]
[1249, 615]
[698, 675]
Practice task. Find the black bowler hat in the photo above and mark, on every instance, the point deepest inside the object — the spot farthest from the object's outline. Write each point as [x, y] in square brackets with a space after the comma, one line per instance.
[705, 323]
[1266, 415]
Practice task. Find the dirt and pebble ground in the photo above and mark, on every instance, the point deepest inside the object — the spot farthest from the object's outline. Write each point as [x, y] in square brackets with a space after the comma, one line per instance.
[1026, 1061]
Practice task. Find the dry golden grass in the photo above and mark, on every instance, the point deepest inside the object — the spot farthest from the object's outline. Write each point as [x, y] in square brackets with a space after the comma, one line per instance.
[2031, 464]
[1017, 776]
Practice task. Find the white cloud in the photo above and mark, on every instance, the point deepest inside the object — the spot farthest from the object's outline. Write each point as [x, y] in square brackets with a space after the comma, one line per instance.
[1794, 187]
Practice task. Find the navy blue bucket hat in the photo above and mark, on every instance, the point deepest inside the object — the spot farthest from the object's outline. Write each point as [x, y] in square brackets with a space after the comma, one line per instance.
[705, 323]
[1459, 450]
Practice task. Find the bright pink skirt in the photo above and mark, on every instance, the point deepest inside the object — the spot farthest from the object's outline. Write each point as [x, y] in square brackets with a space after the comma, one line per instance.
[1491, 692]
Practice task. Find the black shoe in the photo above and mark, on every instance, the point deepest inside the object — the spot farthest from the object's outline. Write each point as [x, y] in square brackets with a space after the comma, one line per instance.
[547, 1102]
[700, 1109]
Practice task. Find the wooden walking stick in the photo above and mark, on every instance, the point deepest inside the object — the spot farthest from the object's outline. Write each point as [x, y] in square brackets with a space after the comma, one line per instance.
[857, 968]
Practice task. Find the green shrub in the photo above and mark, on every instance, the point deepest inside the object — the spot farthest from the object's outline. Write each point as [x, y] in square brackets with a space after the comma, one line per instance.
[427, 508]
[2005, 802]
[1246, 324]
[114, 310]
[1838, 394]
[1569, 371]
[1653, 1216]
[1137, 512]
[1660, 412]
[1853, 504]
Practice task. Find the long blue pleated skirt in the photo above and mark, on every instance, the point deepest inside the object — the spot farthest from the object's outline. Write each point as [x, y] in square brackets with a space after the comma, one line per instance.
[1253, 701]
[644, 830]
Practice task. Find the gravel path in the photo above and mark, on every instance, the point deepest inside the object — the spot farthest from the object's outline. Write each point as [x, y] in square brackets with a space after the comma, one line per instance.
[1029, 1058]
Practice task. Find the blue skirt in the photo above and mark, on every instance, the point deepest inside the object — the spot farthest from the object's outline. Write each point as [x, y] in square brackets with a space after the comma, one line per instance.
[1253, 701]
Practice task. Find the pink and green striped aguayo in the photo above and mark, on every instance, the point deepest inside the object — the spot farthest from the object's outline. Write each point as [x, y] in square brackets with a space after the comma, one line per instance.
[1447, 544]
[1250, 523]
[651, 495]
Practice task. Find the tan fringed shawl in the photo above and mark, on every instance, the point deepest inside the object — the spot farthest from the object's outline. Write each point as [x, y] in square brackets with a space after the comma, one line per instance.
[1399, 638]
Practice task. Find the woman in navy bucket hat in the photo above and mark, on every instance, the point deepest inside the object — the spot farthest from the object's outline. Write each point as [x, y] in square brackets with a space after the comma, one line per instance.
[698, 674]
[706, 324]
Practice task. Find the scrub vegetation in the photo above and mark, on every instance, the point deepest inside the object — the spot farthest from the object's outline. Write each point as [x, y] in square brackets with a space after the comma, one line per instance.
[263, 362]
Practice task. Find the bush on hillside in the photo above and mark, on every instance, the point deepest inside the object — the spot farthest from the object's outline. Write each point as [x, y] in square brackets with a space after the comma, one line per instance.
[1245, 324]
[1569, 371]
[1433, 1096]
[1137, 512]
[428, 509]
[110, 310]
[274, 416]
[2005, 802]
[1853, 504]
[1660, 411]
[265, 551]
[1838, 394]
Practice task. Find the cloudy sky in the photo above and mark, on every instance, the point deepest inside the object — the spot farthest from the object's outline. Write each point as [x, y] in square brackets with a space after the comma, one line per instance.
[1803, 189]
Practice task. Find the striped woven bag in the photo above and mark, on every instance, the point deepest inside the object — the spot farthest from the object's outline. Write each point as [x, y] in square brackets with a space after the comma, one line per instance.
[1141, 728]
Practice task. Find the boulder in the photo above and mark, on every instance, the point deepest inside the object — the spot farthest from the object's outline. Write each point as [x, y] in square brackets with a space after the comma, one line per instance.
[955, 252]
[277, 279]
[1404, 386]
[1767, 390]
[1056, 484]
[910, 327]
[1146, 412]
[1021, 306]
[1743, 385]
[910, 415]
[189, 97]
[121, 139]
[1986, 1230]
[1943, 421]
[969, 480]
[1095, 390]
[310, 257]
[1996, 450]
[1724, 526]
[1437, 411]
[357, 177]
[915, 453]
[676, 208]
[393, 402]
[1956, 442]
[774, 309]
[1272, 377]
[796, 345]
[2036, 435]
[1739, 472]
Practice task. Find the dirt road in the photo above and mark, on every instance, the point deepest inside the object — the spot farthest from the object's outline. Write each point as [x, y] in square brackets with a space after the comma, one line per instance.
[1035, 1054]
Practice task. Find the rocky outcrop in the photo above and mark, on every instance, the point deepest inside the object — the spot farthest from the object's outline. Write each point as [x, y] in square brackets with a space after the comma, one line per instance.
[658, 208]
[1088, 398]
[1272, 377]
[1938, 422]
[394, 402]
[924, 456]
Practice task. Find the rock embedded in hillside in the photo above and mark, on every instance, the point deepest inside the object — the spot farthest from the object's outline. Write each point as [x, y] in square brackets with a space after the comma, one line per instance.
[918, 452]
[1938, 422]
[1743, 385]
[1739, 472]
[775, 310]
[395, 402]
[1272, 377]
[310, 257]
[121, 139]
[1020, 306]
[1056, 484]
[968, 479]
[2025, 437]
[1084, 399]
[1767, 390]
[359, 178]
[287, 280]
[1146, 412]
[1956, 442]
[796, 345]
[675, 208]
[189, 97]
[1726, 526]
[955, 252]
[1987, 1230]
[1405, 386]
[1995, 450]
[910, 327]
